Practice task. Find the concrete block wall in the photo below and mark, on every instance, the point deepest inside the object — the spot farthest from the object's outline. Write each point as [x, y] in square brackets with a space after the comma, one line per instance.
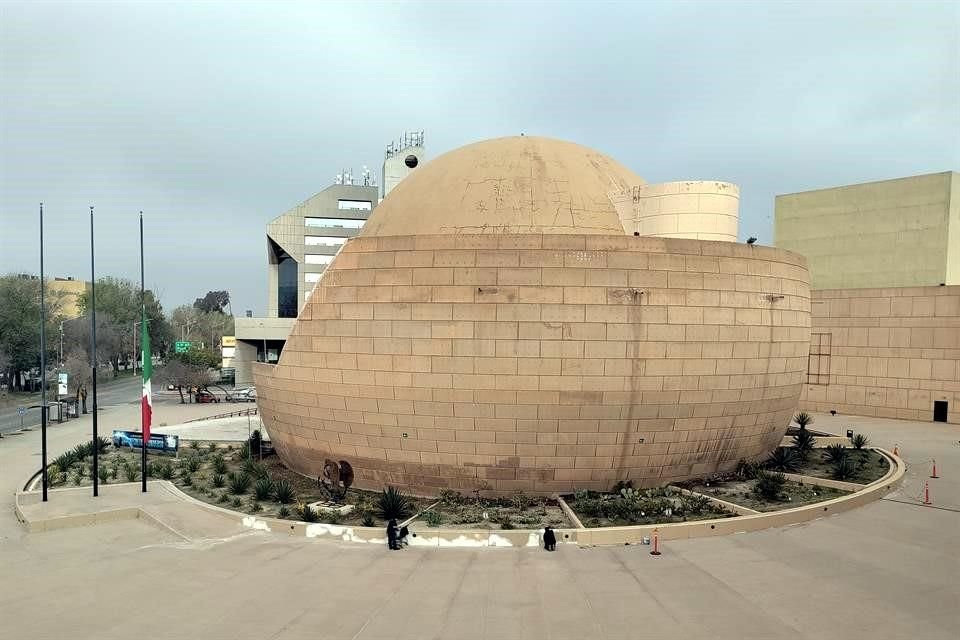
[894, 352]
[543, 363]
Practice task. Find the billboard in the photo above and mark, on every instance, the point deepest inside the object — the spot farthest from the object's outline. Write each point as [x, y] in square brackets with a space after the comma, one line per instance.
[157, 441]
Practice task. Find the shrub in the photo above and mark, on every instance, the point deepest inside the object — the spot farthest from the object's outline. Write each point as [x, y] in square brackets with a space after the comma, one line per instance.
[263, 488]
[64, 461]
[195, 445]
[860, 441]
[331, 516]
[367, 519]
[81, 451]
[212, 447]
[835, 453]
[307, 514]
[432, 518]
[236, 504]
[54, 475]
[193, 463]
[222, 497]
[219, 464]
[392, 503]
[783, 459]
[451, 498]
[844, 468]
[505, 522]
[114, 471]
[255, 469]
[77, 476]
[283, 491]
[238, 483]
[769, 485]
[693, 504]
[243, 453]
[283, 512]
[804, 443]
[255, 507]
[101, 445]
[164, 471]
[622, 485]
[131, 471]
[187, 480]
[803, 419]
[103, 473]
[218, 481]
[747, 470]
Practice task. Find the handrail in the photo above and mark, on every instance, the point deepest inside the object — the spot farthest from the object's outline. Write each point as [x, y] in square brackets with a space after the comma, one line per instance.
[233, 414]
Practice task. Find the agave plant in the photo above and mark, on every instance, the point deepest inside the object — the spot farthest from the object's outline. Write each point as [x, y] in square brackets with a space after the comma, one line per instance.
[803, 443]
[307, 514]
[803, 419]
[131, 471]
[392, 503]
[283, 512]
[81, 451]
[101, 445]
[64, 461]
[835, 453]
[283, 491]
[844, 468]
[783, 459]
[238, 483]
[769, 485]
[217, 481]
[747, 470]
[193, 463]
[263, 488]
[219, 464]
[103, 473]
[860, 441]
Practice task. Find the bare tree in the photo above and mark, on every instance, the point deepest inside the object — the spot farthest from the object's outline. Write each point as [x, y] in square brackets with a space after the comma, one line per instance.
[180, 375]
[77, 366]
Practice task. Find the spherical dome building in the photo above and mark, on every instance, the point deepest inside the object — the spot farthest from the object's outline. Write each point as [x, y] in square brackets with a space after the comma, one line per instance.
[497, 326]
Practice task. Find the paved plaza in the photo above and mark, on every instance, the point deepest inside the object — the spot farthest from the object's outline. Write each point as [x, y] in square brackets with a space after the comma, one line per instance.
[886, 570]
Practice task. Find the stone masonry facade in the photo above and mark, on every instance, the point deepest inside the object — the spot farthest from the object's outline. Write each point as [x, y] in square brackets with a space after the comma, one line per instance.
[542, 363]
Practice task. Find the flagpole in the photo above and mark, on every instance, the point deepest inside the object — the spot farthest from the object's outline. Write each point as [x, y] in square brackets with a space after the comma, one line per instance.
[93, 360]
[43, 368]
[144, 428]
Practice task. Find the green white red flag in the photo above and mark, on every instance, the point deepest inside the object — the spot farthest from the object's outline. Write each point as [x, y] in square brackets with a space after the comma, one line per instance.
[146, 403]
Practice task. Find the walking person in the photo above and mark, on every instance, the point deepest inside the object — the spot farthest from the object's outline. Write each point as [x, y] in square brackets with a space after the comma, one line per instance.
[392, 540]
[549, 539]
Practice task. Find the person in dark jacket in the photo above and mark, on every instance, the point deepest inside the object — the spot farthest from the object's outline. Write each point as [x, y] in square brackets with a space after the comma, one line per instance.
[392, 540]
[549, 539]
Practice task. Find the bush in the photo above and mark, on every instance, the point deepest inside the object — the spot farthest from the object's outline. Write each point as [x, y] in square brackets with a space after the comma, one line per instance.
[219, 464]
[255, 469]
[163, 470]
[331, 516]
[505, 522]
[255, 507]
[803, 443]
[307, 514]
[222, 498]
[694, 505]
[283, 512]
[236, 504]
[451, 498]
[263, 488]
[77, 476]
[432, 518]
[283, 491]
[747, 470]
[212, 447]
[193, 463]
[835, 453]
[218, 481]
[131, 471]
[195, 445]
[622, 485]
[187, 480]
[844, 468]
[103, 473]
[65, 461]
[101, 445]
[238, 483]
[81, 451]
[783, 459]
[860, 441]
[769, 485]
[368, 520]
[392, 503]
[54, 475]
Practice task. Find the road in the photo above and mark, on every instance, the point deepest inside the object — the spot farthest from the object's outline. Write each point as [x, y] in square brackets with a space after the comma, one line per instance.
[125, 390]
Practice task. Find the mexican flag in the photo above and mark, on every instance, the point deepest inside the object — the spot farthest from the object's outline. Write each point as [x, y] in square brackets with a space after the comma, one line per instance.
[146, 404]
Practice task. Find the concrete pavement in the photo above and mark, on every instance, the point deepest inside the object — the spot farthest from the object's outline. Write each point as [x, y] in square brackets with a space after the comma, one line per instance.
[887, 570]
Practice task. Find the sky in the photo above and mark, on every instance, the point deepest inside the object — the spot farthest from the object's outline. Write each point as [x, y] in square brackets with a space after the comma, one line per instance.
[213, 118]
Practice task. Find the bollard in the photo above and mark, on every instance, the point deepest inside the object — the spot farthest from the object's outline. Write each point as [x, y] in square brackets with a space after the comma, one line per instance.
[934, 474]
[656, 543]
[926, 492]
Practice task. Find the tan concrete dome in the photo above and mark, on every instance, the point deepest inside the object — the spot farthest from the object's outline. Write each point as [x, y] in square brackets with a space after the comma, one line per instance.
[521, 184]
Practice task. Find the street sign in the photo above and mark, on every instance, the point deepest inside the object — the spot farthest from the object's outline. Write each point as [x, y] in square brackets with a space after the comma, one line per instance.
[22, 410]
[182, 346]
[62, 384]
[228, 341]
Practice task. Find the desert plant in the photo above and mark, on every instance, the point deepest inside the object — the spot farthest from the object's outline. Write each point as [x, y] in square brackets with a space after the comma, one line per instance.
[237, 503]
[432, 518]
[694, 504]
[505, 522]
[392, 503]
[64, 461]
[193, 463]
[283, 512]
[367, 519]
[238, 483]
[283, 491]
[103, 473]
[219, 464]
[243, 452]
[222, 497]
[307, 514]
[212, 447]
[622, 485]
[769, 485]
[165, 471]
[255, 507]
[747, 470]
[835, 453]
[195, 445]
[844, 468]
[187, 480]
[114, 472]
[783, 459]
[263, 488]
[101, 445]
[803, 444]
[81, 451]
[331, 516]
[860, 441]
[803, 419]
[629, 493]
[131, 471]
[452, 498]
[54, 475]
[218, 481]
[77, 476]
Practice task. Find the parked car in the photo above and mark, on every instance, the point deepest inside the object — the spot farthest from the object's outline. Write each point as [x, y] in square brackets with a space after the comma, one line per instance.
[246, 395]
[204, 397]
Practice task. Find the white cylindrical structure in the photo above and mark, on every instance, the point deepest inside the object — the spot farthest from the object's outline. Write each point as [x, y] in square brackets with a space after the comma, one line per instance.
[698, 210]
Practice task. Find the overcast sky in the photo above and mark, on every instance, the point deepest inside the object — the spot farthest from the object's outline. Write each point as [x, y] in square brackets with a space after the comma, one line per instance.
[214, 118]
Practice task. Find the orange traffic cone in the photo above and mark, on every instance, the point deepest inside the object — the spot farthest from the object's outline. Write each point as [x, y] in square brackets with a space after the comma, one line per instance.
[926, 492]
[934, 474]
[656, 543]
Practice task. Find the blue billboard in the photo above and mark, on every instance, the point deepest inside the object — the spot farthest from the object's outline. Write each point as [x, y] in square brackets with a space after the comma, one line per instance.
[157, 441]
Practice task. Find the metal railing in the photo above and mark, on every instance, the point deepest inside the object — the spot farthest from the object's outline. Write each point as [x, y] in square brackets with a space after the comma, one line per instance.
[233, 414]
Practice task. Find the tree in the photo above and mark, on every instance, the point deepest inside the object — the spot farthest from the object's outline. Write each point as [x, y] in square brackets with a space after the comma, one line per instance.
[213, 302]
[180, 374]
[77, 366]
[20, 325]
[196, 325]
[201, 358]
